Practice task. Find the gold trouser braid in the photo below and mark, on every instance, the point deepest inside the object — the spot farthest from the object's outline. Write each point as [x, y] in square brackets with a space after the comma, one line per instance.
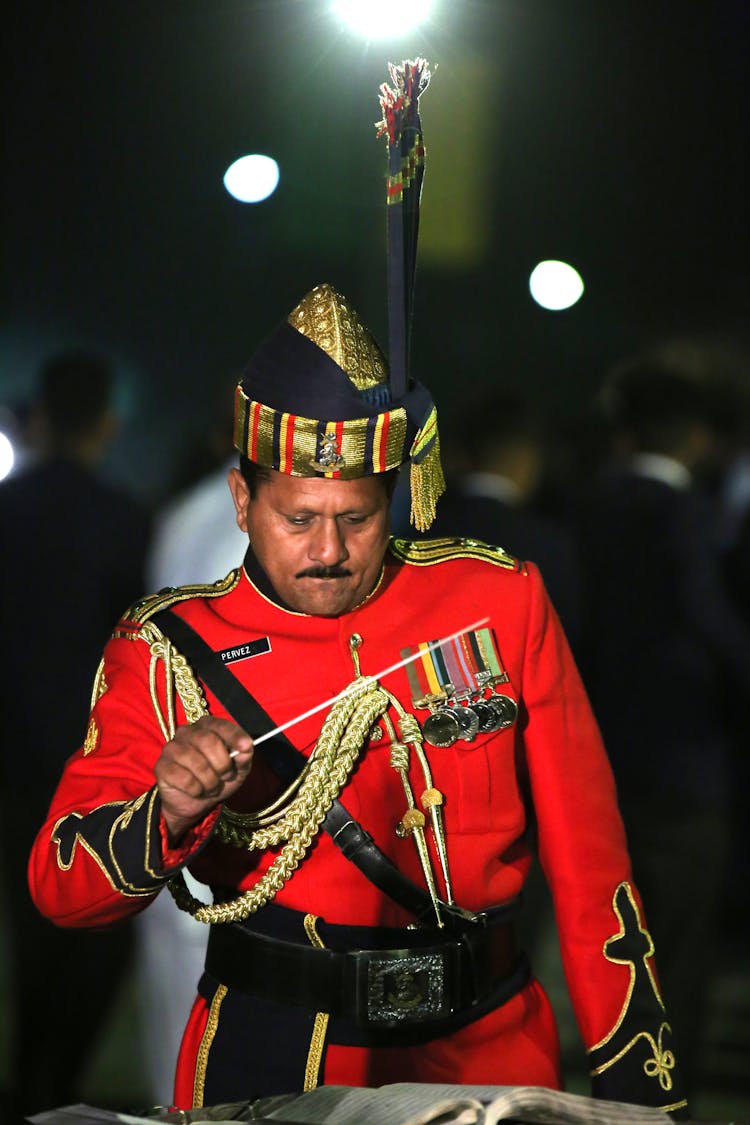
[341, 739]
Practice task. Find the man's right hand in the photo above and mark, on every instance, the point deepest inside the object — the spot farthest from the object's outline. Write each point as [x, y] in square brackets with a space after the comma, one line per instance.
[204, 764]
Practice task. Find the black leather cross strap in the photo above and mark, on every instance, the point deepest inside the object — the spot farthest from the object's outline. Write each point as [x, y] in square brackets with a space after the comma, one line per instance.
[286, 761]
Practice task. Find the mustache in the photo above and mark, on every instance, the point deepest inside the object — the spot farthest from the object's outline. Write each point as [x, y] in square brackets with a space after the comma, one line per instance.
[324, 572]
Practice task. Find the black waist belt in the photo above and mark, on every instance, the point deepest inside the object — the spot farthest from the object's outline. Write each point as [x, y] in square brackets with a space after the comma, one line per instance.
[421, 983]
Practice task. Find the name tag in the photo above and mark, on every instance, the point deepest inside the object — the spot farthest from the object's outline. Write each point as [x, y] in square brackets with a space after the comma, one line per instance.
[244, 652]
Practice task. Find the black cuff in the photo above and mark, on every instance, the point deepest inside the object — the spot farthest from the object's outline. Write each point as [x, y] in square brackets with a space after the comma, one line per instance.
[636, 1062]
[123, 838]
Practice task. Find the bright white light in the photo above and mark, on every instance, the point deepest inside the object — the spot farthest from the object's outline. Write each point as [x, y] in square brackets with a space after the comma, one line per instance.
[252, 178]
[6, 456]
[382, 19]
[555, 285]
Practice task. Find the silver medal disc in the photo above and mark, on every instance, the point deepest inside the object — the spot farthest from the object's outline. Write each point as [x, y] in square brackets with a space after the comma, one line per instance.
[488, 717]
[441, 728]
[506, 709]
[468, 721]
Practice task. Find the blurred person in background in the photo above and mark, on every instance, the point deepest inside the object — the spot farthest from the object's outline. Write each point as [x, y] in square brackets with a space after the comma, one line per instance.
[195, 540]
[734, 539]
[498, 456]
[73, 553]
[661, 640]
[195, 537]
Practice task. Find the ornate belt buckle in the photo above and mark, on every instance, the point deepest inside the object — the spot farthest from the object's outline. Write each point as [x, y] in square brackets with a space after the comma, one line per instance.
[404, 987]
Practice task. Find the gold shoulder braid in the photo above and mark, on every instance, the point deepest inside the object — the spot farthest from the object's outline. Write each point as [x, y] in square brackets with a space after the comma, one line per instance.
[427, 552]
[147, 607]
[179, 677]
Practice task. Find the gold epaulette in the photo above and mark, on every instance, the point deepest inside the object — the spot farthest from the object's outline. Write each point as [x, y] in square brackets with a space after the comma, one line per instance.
[426, 552]
[146, 607]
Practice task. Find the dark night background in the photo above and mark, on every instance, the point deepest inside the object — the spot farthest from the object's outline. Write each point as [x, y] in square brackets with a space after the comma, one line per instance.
[611, 135]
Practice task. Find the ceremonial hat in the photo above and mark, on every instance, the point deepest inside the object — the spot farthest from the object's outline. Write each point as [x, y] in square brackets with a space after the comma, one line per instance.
[318, 397]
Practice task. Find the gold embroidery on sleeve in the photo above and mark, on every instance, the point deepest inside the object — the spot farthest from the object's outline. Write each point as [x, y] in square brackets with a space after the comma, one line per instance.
[662, 1062]
[135, 892]
[147, 840]
[121, 822]
[91, 740]
[658, 1066]
[617, 961]
[100, 685]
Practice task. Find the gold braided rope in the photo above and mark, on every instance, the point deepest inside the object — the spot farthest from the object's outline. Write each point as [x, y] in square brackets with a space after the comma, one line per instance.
[325, 774]
[413, 821]
[178, 676]
[232, 823]
[431, 799]
[341, 739]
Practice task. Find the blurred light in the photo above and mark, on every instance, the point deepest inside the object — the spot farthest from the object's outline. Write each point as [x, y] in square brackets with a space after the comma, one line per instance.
[555, 285]
[6, 456]
[252, 178]
[382, 19]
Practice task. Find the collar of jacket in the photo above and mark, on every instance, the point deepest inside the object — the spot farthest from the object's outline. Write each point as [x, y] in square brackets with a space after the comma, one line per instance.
[261, 581]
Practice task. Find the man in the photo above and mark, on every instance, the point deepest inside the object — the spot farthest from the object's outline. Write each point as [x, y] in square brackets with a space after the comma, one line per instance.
[340, 954]
[73, 554]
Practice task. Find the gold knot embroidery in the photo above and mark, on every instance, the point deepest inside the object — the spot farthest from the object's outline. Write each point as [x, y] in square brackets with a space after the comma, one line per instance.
[92, 737]
[661, 1064]
[130, 808]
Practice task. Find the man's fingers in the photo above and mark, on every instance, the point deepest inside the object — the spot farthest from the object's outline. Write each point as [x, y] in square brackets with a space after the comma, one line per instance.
[204, 763]
[207, 756]
[193, 777]
[238, 743]
[232, 735]
[216, 743]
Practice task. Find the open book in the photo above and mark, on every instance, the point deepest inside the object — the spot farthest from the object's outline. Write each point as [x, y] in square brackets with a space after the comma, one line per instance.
[407, 1103]
[402, 1103]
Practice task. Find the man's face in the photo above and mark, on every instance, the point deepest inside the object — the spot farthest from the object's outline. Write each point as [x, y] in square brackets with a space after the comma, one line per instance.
[321, 542]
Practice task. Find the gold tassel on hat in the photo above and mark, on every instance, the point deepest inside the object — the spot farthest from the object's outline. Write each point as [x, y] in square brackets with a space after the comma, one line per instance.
[427, 484]
[426, 474]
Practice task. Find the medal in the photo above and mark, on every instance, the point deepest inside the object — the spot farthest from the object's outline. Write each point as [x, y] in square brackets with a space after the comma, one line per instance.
[468, 721]
[441, 728]
[456, 679]
[506, 709]
[488, 719]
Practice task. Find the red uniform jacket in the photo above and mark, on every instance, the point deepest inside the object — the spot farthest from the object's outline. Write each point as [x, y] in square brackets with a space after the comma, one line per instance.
[102, 854]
